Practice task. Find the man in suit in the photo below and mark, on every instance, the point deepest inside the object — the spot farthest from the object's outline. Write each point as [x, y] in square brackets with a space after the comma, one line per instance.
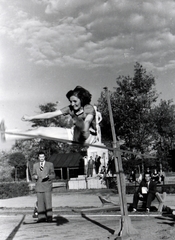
[43, 174]
[91, 166]
[145, 192]
[97, 163]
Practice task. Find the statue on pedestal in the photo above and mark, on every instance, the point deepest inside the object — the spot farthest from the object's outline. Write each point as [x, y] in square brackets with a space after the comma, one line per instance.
[98, 120]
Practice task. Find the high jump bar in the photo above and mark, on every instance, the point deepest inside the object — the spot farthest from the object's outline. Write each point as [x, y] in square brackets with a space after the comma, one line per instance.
[78, 143]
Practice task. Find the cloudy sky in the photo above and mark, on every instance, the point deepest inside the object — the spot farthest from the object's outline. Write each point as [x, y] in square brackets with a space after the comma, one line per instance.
[47, 47]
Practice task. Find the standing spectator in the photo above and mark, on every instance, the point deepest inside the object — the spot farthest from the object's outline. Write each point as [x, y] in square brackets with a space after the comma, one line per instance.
[97, 164]
[103, 174]
[91, 164]
[43, 174]
[148, 171]
[132, 177]
[145, 192]
[111, 166]
[162, 177]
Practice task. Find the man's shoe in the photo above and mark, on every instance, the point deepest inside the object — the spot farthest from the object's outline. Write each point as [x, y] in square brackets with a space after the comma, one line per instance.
[49, 219]
[134, 210]
[2, 130]
[41, 220]
[35, 215]
[147, 210]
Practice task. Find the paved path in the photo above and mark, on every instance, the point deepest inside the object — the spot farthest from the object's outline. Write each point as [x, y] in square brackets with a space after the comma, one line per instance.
[59, 201]
[70, 200]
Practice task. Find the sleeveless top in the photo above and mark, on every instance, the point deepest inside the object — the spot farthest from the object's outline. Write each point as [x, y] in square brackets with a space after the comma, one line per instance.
[79, 118]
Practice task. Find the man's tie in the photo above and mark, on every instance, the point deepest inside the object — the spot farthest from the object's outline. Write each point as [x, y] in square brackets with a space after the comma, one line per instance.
[41, 166]
[147, 184]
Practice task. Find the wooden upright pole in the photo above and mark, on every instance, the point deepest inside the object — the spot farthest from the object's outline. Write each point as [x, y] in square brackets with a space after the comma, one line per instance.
[125, 229]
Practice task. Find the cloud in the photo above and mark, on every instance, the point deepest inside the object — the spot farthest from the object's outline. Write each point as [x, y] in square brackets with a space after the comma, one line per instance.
[69, 7]
[89, 34]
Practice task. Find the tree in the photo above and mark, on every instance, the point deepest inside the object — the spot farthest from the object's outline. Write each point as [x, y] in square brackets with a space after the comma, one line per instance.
[163, 117]
[5, 168]
[17, 160]
[30, 149]
[131, 103]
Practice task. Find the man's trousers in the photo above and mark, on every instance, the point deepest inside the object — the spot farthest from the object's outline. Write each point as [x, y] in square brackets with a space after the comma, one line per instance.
[147, 198]
[44, 205]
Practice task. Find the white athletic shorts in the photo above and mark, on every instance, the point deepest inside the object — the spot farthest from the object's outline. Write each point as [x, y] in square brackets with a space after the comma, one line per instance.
[90, 140]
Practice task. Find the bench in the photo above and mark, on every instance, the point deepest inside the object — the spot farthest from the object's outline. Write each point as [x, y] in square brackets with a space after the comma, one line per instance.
[108, 205]
[159, 199]
[106, 201]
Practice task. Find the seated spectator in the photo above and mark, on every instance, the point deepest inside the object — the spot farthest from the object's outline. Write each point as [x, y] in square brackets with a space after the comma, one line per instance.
[162, 177]
[103, 171]
[155, 176]
[139, 177]
[102, 174]
[145, 192]
[148, 170]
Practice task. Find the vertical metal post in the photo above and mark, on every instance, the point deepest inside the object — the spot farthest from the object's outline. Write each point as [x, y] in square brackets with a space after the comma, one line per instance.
[68, 173]
[61, 173]
[126, 228]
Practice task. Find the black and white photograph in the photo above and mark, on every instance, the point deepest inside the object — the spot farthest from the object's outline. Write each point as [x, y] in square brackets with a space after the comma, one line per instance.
[87, 119]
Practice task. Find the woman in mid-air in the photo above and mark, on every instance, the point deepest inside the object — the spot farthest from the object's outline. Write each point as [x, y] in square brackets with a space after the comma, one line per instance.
[83, 115]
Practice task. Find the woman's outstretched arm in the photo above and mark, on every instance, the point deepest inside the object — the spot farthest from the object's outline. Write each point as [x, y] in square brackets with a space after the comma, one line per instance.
[42, 116]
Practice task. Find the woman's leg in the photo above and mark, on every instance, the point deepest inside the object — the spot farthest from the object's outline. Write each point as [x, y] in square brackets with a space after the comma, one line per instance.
[40, 132]
[150, 198]
[52, 133]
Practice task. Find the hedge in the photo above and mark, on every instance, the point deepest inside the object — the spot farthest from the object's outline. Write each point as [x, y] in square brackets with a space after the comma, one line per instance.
[130, 189]
[13, 189]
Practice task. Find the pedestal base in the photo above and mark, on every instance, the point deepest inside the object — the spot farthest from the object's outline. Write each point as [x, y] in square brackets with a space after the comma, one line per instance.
[125, 231]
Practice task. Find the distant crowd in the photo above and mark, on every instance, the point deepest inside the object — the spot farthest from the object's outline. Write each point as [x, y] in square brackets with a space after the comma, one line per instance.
[156, 176]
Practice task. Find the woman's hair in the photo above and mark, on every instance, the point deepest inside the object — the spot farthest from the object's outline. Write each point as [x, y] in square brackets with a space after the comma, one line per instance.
[80, 92]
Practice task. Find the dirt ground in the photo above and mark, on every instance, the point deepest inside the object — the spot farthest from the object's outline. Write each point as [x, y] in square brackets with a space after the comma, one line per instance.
[99, 226]
[153, 228]
[69, 225]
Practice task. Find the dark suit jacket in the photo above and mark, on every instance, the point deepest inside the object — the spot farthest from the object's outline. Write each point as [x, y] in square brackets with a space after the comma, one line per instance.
[48, 170]
[152, 187]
